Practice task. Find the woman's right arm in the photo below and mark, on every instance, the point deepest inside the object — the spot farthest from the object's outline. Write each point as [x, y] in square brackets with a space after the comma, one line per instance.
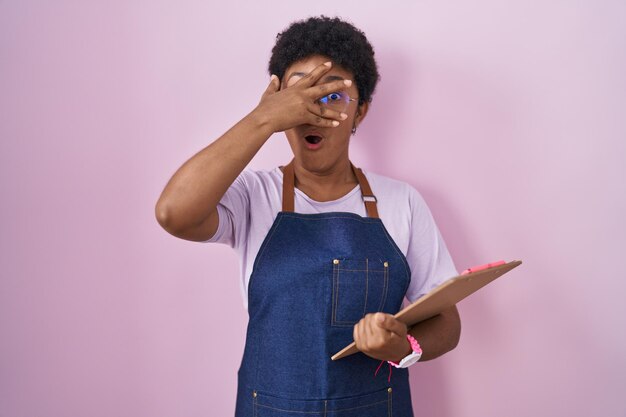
[187, 207]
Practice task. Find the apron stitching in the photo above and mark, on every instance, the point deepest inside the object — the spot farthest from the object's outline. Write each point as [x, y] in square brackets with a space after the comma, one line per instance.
[337, 267]
[383, 298]
[368, 220]
[395, 248]
[318, 412]
[335, 295]
[360, 406]
[366, 285]
[363, 270]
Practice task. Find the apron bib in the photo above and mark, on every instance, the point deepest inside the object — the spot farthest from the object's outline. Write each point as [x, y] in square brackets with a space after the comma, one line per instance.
[315, 276]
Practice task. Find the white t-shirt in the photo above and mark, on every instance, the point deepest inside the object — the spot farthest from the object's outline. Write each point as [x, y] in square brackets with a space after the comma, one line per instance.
[401, 208]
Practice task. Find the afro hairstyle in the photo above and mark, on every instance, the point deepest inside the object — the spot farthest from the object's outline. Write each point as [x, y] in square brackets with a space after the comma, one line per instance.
[339, 40]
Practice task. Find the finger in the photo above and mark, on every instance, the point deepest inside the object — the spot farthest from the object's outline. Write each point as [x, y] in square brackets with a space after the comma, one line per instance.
[356, 336]
[273, 86]
[311, 78]
[371, 328]
[320, 121]
[362, 334]
[325, 112]
[321, 90]
[390, 323]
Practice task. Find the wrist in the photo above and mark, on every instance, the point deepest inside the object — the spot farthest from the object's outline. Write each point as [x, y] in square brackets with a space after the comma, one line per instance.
[405, 350]
[409, 348]
[412, 357]
[261, 122]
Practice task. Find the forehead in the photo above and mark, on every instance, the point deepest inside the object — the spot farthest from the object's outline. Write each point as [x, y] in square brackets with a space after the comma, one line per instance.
[302, 67]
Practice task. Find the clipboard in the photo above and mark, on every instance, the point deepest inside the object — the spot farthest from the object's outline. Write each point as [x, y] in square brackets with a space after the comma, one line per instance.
[442, 297]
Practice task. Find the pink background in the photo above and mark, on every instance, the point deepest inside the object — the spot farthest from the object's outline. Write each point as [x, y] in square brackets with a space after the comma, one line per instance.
[509, 118]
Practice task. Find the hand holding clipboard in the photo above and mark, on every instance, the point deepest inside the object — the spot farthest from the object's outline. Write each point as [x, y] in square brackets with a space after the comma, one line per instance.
[444, 296]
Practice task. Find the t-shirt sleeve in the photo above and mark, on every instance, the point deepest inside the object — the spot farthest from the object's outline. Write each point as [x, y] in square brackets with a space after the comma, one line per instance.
[234, 213]
[427, 254]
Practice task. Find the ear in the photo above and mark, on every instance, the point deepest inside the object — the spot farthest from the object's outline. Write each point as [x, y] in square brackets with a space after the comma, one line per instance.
[361, 112]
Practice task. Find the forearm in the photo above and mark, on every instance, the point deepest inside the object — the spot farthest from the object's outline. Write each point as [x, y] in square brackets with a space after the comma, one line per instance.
[198, 185]
[437, 335]
[187, 205]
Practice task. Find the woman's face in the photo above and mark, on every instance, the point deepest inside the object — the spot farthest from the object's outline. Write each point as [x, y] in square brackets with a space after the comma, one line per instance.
[333, 148]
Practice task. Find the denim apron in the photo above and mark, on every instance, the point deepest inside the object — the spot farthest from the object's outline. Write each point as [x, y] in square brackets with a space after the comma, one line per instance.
[315, 276]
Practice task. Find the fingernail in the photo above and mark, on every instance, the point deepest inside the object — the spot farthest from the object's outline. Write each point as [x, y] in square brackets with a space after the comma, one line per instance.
[343, 116]
[273, 76]
[335, 123]
[347, 82]
[328, 64]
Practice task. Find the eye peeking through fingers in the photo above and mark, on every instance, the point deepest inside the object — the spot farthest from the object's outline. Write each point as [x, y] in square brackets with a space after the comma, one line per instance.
[338, 101]
[332, 97]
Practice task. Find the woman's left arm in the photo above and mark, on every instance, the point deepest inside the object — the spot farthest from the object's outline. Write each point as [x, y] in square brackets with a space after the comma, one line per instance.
[381, 336]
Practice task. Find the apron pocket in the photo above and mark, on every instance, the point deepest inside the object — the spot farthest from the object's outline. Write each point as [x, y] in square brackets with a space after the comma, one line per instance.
[359, 287]
[376, 404]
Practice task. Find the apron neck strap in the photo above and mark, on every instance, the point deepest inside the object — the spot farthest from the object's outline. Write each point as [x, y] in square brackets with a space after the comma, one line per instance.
[289, 184]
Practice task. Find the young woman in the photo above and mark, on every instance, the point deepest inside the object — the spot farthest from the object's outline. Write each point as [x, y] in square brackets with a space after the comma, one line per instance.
[328, 251]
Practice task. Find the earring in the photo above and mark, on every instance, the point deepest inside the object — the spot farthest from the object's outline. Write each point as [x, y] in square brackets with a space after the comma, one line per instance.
[358, 113]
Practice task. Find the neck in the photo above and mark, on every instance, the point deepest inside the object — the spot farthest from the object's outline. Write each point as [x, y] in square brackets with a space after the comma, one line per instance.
[336, 176]
[326, 185]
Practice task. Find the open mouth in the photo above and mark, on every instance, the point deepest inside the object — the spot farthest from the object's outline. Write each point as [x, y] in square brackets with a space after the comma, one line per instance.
[313, 139]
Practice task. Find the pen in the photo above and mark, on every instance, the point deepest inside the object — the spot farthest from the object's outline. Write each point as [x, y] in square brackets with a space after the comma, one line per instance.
[481, 267]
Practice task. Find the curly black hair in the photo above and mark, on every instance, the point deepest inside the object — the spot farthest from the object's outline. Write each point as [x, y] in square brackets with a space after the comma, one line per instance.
[337, 39]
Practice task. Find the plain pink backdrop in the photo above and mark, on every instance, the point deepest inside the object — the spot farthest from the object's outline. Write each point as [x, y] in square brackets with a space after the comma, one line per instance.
[508, 117]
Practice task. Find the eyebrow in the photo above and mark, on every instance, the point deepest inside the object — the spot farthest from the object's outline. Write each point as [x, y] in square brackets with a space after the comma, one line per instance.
[327, 78]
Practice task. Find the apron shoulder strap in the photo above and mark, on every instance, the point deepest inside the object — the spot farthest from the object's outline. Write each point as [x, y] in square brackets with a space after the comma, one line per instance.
[289, 184]
[368, 196]
[288, 187]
